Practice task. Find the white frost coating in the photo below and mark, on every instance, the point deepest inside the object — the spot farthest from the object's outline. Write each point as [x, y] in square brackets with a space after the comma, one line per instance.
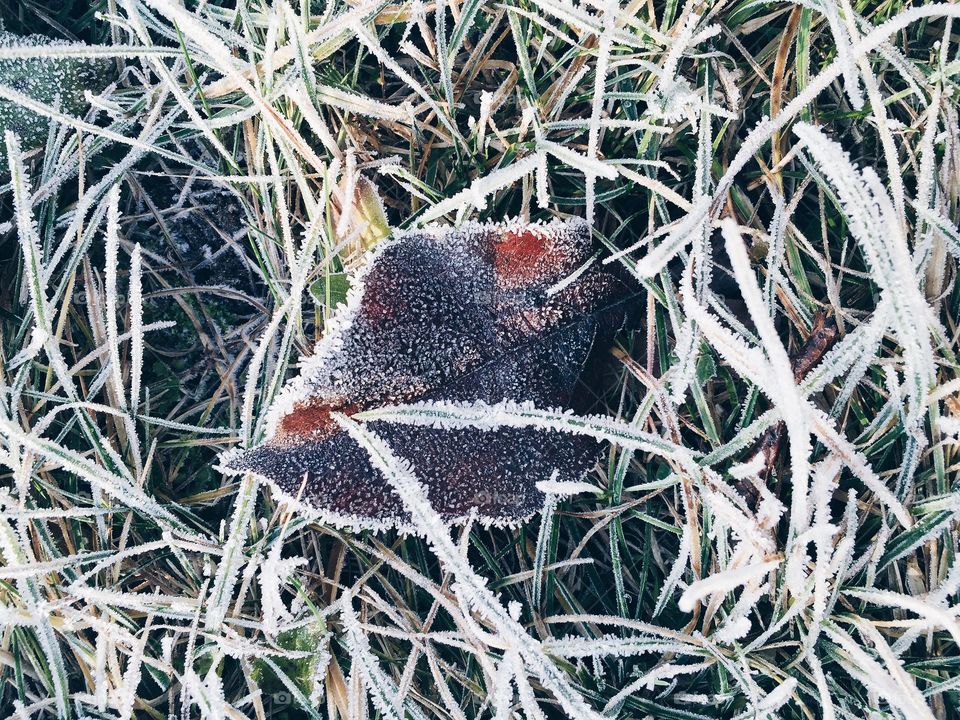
[845, 369]
[874, 222]
[676, 572]
[356, 364]
[687, 350]
[787, 395]
[110, 311]
[899, 692]
[290, 305]
[563, 489]
[613, 646]
[772, 701]
[353, 522]
[749, 362]
[949, 426]
[98, 477]
[673, 99]
[571, 278]
[724, 582]
[207, 695]
[841, 37]
[543, 541]
[480, 188]
[38, 338]
[100, 679]
[136, 325]
[274, 571]
[850, 357]
[229, 567]
[767, 126]
[937, 613]
[447, 415]
[648, 681]
[501, 690]
[607, 20]
[174, 86]
[686, 230]
[127, 692]
[734, 628]
[221, 58]
[590, 165]
[382, 689]
[16, 549]
[528, 701]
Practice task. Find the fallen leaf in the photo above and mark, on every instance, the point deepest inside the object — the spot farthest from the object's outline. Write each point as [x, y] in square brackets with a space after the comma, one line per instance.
[481, 313]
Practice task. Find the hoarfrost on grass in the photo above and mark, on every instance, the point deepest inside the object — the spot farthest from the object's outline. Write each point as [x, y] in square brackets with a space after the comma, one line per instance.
[682, 576]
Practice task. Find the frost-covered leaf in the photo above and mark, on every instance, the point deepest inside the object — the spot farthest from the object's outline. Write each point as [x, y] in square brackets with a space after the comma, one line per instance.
[54, 81]
[448, 315]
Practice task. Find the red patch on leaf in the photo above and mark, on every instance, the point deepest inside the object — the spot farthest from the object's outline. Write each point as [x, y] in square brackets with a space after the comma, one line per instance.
[310, 421]
[518, 256]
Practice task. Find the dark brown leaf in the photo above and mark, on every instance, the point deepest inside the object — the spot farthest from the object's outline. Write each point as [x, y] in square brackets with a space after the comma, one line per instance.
[484, 313]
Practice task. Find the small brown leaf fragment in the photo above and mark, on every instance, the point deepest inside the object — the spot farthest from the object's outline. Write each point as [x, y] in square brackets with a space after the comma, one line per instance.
[821, 338]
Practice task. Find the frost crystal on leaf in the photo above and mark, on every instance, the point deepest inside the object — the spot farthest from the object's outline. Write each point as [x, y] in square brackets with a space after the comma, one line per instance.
[478, 314]
[56, 82]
